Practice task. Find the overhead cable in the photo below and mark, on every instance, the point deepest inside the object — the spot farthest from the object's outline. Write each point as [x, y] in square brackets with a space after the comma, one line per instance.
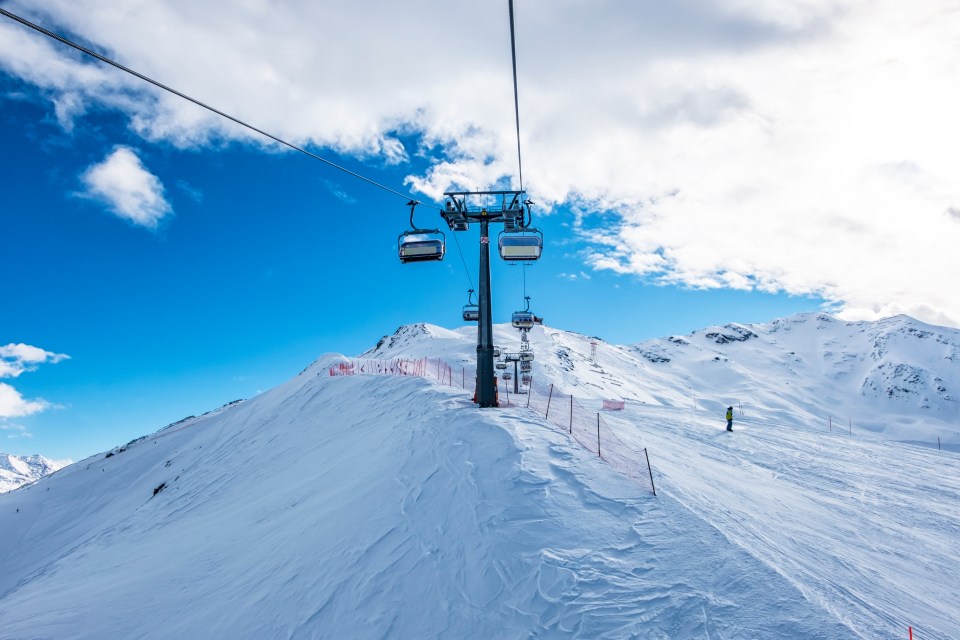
[119, 66]
[516, 98]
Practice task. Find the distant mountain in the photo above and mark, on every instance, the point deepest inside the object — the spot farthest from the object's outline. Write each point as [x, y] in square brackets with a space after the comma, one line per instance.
[897, 377]
[16, 471]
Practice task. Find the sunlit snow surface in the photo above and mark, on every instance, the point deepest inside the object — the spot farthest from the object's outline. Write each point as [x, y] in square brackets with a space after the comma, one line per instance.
[387, 507]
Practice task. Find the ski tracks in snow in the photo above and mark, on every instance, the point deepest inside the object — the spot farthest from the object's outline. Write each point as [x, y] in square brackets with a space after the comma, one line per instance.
[822, 511]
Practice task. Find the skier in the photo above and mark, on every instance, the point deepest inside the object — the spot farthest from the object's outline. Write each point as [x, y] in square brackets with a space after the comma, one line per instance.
[729, 418]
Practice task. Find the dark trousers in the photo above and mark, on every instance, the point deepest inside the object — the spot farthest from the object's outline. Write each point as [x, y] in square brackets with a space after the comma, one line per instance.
[729, 425]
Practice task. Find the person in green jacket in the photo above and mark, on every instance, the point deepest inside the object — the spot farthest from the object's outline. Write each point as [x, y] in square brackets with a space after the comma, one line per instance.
[729, 418]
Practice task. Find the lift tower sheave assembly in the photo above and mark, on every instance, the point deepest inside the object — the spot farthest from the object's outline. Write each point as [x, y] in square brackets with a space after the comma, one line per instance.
[461, 209]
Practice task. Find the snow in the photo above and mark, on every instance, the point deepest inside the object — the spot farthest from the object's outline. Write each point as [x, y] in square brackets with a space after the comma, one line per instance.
[374, 507]
[16, 471]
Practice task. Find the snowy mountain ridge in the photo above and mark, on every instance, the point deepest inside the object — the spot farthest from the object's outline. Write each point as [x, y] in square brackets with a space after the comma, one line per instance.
[16, 471]
[370, 506]
[897, 377]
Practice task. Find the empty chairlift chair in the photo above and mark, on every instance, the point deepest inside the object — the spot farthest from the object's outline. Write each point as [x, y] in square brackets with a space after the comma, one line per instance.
[522, 320]
[420, 245]
[525, 246]
[525, 319]
[471, 311]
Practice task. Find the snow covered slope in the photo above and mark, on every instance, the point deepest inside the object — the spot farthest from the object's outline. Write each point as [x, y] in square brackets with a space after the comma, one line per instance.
[16, 471]
[390, 507]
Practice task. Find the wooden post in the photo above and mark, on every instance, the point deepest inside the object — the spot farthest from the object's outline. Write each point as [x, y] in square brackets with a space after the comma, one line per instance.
[571, 413]
[650, 470]
[598, 435]
[549, 398]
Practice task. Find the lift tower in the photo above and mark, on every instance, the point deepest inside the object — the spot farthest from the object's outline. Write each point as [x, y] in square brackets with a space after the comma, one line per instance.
[461, 209]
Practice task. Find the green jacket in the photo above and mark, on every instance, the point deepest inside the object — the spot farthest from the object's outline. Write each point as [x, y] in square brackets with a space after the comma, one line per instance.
[729, 414]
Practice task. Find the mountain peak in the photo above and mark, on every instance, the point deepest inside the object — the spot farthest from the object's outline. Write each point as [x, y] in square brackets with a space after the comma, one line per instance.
[16, 471]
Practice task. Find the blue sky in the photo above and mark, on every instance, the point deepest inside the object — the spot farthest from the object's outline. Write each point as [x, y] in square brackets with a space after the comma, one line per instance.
[180, 262]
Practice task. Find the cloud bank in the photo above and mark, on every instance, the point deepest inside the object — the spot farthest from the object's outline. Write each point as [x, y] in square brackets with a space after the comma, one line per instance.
[748, 145]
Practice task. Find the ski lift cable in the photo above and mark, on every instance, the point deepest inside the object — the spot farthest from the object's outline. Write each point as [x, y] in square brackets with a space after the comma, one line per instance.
[524, 279]
[179, 94]
[465, 268]
[516, 99]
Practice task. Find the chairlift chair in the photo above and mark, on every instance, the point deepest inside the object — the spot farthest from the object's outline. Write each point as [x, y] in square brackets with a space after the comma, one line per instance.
[507, 375]
[471, 310]
[523, 320]
[523, 246]
[501, 365]
[525, 366]
[526, 379]
[420, 245]
[526, 356]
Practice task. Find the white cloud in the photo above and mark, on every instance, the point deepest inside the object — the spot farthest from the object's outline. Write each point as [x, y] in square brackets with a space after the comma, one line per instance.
[801, 148]
[127, 188]
[13, 405]
[17, 358]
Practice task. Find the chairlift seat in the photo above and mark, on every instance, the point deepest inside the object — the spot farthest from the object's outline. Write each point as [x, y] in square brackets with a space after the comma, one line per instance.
[522, 320]
[517, 247]
[526, 356]
[421, 250]
[471, 313]
[501, 365]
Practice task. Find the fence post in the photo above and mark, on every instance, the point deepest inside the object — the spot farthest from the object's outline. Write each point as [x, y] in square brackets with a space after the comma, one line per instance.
[650, 470]
[830, 418]
[851, 426]
[571, 413]
[549, 398]
[529, 393]
[938, 444]
[598, 436]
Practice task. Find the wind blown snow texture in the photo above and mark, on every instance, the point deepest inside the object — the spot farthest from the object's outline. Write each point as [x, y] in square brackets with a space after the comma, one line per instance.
[384, 507]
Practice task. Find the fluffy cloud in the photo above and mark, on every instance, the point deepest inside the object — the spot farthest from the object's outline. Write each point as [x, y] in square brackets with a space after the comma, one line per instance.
[726, 143]
[17, 358]
[127, 188]
[13, 405]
